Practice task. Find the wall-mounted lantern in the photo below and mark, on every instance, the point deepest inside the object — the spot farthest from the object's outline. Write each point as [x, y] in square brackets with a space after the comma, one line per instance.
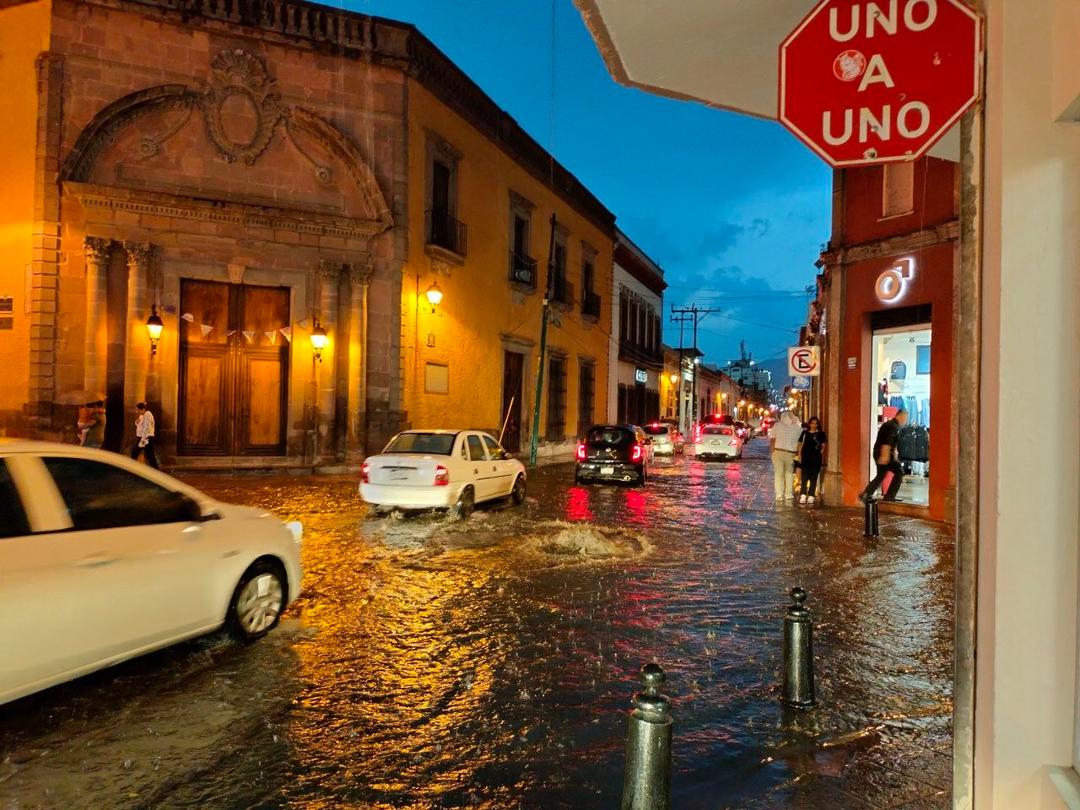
[319, 340]
[434, 295]
[154, 328]
[674, 378]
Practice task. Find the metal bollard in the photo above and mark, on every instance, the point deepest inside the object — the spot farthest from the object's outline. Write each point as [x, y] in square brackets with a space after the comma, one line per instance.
[798, 653]
[647, 781]
[870, 518]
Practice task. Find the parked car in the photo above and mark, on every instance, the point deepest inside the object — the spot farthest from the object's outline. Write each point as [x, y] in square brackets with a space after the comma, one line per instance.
[441, 469]
[103, 559]
[666, 440]
[718, 441]
[618, 453]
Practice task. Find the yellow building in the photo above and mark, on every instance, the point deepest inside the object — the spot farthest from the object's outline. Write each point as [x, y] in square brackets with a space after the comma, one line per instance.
[481, 198]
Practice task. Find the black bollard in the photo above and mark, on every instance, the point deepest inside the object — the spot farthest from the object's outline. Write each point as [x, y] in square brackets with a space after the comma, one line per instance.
[798, 653]
[647, 781]
[870, 518]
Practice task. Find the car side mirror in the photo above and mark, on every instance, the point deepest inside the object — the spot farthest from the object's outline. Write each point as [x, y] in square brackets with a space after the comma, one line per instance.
[506, 455]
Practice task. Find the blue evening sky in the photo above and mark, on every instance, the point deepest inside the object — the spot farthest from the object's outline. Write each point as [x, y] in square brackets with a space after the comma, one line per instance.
[733, 208]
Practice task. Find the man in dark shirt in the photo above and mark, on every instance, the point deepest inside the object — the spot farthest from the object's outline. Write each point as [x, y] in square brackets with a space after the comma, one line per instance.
[885, 458]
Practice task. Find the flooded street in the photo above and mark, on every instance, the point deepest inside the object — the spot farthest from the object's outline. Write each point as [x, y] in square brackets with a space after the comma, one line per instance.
[489, 663]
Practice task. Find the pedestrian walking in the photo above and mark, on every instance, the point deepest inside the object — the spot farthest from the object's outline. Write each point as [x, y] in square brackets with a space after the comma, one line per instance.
[783, 443]
[92, 424]
[811, 457]
[144, 435]
[886, 459]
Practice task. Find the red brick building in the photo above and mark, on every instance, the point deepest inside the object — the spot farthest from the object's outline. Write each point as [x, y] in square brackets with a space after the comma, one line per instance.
[884, 318]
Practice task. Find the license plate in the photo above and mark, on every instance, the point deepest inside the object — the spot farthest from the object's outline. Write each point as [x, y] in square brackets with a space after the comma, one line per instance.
[607, 470]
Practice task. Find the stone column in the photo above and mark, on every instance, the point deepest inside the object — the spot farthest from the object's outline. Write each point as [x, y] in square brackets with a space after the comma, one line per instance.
[359, 278]
[329, 279]
[96, 252]
[137, 346]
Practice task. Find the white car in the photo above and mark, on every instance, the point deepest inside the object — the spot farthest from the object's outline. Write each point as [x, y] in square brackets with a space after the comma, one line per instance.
[103, 559]
[718, 441]
[441, 469]
[666, 441]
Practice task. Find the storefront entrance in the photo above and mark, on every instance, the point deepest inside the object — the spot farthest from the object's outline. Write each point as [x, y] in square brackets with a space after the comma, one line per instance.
[513, 392]
[234, 363]
[901, 380]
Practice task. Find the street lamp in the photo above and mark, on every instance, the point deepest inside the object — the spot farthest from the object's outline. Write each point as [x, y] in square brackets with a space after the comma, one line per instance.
[674, 378]
[154, 328]
[319, 339]
[434, 295]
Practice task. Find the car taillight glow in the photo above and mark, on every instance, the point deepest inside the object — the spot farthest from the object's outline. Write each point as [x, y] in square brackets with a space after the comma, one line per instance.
[442, 476]
[636, 453]
[364, 470]
[581, 451]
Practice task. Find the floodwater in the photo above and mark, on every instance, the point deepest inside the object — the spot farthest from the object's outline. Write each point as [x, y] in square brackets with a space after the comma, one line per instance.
[490, 663]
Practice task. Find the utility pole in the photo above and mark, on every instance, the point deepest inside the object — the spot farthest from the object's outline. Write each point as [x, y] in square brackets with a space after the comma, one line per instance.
[534, 439]
[680, 319]
[691, 314]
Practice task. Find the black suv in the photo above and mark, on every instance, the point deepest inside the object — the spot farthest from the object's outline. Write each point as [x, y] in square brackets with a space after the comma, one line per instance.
[618, 453]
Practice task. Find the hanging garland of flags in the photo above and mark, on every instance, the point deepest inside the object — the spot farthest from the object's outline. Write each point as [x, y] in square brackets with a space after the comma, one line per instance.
[249, 335]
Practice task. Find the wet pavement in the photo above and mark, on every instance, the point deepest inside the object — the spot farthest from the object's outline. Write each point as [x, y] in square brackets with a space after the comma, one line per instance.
[489, 663]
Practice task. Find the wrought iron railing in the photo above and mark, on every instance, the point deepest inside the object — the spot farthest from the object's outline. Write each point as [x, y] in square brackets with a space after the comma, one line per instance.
[590, 304]
[522, 269]
[446, 232]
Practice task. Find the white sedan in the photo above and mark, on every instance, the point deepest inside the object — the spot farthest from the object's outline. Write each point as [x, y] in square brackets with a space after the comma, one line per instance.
[718, 441]
[441, 469]
[103, 559]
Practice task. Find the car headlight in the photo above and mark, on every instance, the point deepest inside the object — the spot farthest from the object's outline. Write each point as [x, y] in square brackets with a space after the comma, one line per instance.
[296, 529]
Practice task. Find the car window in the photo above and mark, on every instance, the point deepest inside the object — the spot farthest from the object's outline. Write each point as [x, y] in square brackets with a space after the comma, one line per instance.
[101, 496]
[615, 437]
[13, 522]
[657, 430]
[494, 451]
[476, 447]
[440, 444]
[717, 430]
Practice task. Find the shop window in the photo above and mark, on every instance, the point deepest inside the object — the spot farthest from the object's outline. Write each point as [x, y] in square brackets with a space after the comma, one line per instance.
[902, 380]
[897, 188]
[556, 410]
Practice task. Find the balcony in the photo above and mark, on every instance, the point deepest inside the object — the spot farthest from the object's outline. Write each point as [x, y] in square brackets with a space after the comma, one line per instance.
[562, 291]
[590, 304]
[648, 357]
[522, 270]
[445, 233]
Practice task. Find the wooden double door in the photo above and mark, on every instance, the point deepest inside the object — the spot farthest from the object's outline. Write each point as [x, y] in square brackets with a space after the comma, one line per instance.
[234, 369]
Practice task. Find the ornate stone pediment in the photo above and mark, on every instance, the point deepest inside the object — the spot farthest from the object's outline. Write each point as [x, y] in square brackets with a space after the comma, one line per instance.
[252, 157]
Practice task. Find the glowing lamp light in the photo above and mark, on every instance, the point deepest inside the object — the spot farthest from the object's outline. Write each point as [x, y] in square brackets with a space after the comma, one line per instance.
[319, 339]
[434, 295]
[674, 378]
[154, 328]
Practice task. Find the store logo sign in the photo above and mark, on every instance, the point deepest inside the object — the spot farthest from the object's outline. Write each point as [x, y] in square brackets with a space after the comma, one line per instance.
[892, 283]
[641, 375]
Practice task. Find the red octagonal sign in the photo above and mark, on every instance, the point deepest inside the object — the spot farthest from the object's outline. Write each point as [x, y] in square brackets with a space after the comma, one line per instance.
[871, 82]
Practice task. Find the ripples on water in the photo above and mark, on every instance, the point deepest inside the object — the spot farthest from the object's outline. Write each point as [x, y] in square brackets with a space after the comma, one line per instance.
[488, 664]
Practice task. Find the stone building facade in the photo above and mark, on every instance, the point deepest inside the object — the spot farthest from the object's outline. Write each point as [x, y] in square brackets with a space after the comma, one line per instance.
[241, 169]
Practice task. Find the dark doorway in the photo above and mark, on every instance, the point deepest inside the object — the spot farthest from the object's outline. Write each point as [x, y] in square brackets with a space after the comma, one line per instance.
[116, 290]
[234, 366]
[513, 390]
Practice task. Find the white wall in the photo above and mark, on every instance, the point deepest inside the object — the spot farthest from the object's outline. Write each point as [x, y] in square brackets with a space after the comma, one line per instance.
[1030, 431]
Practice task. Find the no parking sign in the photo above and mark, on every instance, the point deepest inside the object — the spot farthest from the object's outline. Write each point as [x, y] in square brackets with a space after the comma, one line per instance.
[804, 361]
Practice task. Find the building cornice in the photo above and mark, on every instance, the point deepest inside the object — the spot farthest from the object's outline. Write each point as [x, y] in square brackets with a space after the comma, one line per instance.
[387, 43]
[893, 245]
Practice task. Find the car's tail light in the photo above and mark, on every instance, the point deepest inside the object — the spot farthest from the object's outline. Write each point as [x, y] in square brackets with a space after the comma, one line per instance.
[364, 470]
[581, 451]
[442, 476]
[636, 453]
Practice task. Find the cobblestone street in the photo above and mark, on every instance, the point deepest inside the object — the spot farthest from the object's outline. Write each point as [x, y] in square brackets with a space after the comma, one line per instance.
[489, 663]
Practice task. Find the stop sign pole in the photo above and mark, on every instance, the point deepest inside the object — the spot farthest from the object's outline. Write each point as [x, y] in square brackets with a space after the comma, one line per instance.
[873, 82]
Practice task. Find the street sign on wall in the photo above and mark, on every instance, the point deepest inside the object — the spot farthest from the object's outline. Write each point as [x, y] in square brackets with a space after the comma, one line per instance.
[873, 82]
[804, 361]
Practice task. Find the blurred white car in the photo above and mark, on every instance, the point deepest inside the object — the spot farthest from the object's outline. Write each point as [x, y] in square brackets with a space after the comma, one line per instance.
[441, 469]
[103, 559]
[718, 441]
[666, 440]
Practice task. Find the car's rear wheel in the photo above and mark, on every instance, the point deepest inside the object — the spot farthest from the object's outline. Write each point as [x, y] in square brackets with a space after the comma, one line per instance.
[517, 494]
[257, 602]
[465, 505]
[641, 478]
